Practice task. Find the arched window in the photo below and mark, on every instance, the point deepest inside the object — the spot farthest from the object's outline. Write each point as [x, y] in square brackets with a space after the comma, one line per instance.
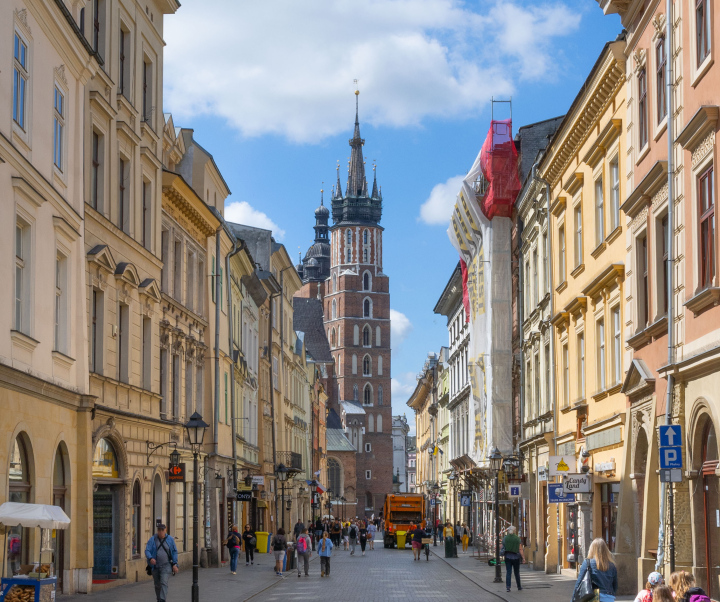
[348, 256]
[371, 423]
[367, 366]
[348, 237]
[105, 462]
[365, 255]
[157, 498]
[60, 500]
[377, 336]
[355, 392]
[334, 283]
[379, 423]
[365, 237]
[354, 364]
[334, 472]
[367, 308]
[367, 395]
[334, 309]
[137, 534]
[366, 281]
[380, 395]
[356, 335]
[20, 481]
[332, 338]
[379, 364]
[366, 336]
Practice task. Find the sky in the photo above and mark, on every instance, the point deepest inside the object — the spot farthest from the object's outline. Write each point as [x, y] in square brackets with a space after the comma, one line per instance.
[269, 88]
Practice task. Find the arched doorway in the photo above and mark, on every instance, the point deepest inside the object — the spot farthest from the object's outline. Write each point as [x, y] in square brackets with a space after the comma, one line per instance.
[711, 507]
[61, 499]
[107, 524]
[157, 501]
[20, 474]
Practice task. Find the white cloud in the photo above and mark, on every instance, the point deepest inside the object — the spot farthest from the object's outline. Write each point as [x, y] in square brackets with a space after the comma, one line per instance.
[439, 206]
[241, 212]
[286, 67]
[402, 386]
[400, 327]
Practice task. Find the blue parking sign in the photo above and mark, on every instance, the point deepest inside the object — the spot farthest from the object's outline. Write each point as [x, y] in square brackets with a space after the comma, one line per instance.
[671, 457]
[670, 436]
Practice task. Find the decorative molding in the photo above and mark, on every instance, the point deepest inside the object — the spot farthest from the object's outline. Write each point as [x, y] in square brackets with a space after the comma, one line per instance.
[639, 220]
[658, 22]
[703, 149]
[60, 74]
[639, 59]
[21, 15]
[660, 197]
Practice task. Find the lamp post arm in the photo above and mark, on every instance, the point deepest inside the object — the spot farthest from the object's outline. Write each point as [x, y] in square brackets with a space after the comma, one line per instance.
[151, 449]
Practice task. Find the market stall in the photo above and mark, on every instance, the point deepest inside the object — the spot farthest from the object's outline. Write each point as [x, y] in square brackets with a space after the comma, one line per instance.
[33, 582]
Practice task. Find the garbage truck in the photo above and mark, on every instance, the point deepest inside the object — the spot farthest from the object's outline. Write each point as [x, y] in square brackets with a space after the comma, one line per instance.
[401, 512]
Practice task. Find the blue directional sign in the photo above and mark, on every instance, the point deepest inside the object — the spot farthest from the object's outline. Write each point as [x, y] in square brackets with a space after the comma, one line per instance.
[670, 435]
[671, 457]
[556, 495]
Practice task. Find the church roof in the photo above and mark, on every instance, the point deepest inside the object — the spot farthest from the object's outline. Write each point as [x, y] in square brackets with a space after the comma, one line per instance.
[352, 407]
[336, 441]
[308, 318]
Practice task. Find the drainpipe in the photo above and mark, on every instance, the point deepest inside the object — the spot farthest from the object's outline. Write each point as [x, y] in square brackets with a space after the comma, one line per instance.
[521, 318]
[218, 301]
[670, 339]
[272, 395]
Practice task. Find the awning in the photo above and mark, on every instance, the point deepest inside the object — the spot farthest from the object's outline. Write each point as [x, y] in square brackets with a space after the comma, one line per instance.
[14, 514]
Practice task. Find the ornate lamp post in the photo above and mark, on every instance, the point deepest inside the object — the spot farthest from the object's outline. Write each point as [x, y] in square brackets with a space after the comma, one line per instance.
[196, 433]
[496, 460]
[282, 473]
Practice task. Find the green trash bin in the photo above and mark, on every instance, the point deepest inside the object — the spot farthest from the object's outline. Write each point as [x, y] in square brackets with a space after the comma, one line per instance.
[401, 539]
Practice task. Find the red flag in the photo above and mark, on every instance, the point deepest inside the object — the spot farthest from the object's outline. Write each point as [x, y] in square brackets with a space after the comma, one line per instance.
[466, 296]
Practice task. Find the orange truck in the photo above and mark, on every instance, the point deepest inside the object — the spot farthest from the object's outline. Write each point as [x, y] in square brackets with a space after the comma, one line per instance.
[401, 512]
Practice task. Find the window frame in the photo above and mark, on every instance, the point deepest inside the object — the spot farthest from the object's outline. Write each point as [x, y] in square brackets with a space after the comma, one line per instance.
[660, 79]
[21, 80]
[642, 108]
[59, 128]
[703, 32]
[577, 217]
[707, 267]
[614, 168]
[599, 210]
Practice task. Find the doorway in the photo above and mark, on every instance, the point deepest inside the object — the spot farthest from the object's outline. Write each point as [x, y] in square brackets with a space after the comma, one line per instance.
[59, 499]
[711, 508]
[103, 534]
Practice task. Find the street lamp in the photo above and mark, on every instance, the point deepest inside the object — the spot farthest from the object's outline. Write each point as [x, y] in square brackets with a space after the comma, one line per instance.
[496, 460]
[174, 458]
[282, 473]
[195, 428]
[343, 507]
[453, 485]
[435, 489]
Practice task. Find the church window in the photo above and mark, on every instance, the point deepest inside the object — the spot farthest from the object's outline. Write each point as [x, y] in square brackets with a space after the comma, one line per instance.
[332, 338]
[366, 281]
[348, 234]
[334, 283]
[371, 423]
[377, 336]
[367, 395]
[355, 392]
[348, 258]
[367, 366]
[354, 364]
[365, 255]
[356, 335]
[334, 309]
[379, 370]
[367, 308]
[365, 237]
[366, 336]
[379, 424]
[380, 394]
[334, 471]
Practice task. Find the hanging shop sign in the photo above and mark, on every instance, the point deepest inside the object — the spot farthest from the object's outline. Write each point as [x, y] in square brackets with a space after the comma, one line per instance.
[577, 483]
[556, 495]
[542, 473]
[561, 465]
[177, 473]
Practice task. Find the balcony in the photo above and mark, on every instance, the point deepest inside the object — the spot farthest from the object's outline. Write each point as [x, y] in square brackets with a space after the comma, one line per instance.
[291, 460]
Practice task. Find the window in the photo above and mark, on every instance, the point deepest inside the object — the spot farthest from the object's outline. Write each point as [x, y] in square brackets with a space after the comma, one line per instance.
[334, 476]
[348, 258]
[96, 332]
[124, 54]
[379, 365]
[378, 422]
[536, 284]
[354, 364]
[201, 287]
[177, 270]
[365, 237]
[377, 336]
[123, 345]
[273, 308]
[355, 393]
[370, 423]
[702, 29]
[366, 281]
[58, 128]
[348, 237]
[333, 341]
[599, 212]
[660, 64]
[664, 272]
[20, 80]
[578, 236]
[356, 335]
[227, 419]
[566, 375]
[368, 474]
[617, 346]
[61, 303]
[601, 358]
[98, 34]
[367, 395]
[367, 366]
[380, 389]
[642, 108]
[528, 289]
[529, 412]
[366, 336]
[581, 366]
[146, 214]
[198, 385]
[706, 198]
[96, 171]
[367, 308]
[365, 255]
[146, 353]
[22, 277]
[147, 99]
[123, 204]
[190, 294]
[220, 276]
[334, 283]
[643, 297]
[136, 524]
[368, 446]
[545, 274]
[548, 369]
[561, 243]
[614, 194]
[537, 403]
[334, 309]
[275, 373]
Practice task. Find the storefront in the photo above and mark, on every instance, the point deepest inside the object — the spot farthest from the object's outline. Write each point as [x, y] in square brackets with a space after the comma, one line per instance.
[21, 491]
[107, 526]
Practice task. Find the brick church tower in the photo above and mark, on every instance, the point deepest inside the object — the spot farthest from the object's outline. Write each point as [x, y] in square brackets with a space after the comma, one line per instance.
[356, 303]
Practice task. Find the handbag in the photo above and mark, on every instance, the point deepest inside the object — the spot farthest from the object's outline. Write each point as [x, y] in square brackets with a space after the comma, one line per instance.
[584, 590]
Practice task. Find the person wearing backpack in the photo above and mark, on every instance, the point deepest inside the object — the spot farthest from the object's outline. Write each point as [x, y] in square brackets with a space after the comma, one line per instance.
[233, 542]
[303, 547]
[602, 569]
[363, 535]
[352, 534]
[279, 545]
[161, 554]
[249, 541]
[325, 546]
[683, 584]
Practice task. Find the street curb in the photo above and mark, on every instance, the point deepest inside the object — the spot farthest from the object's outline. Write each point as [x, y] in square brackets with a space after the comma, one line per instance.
[500, 597]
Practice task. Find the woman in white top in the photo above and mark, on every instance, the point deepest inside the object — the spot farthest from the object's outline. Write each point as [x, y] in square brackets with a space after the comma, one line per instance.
[372, 529]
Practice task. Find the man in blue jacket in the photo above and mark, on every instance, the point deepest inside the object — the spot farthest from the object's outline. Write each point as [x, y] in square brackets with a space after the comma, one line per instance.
[161, 553]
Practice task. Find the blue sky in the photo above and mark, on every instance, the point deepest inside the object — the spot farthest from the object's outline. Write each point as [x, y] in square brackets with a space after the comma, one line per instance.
[268, 88]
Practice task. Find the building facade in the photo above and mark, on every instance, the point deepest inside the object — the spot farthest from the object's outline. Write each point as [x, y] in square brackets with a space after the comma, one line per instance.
[400, 430]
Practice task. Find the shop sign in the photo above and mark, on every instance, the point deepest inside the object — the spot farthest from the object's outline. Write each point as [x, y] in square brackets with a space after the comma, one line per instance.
[465, 498]
[258, 480]
[556, 495]
[561, 465]
[177, 473]
[542, 473]
[514, 491]
[243, 496]
[605, 467]
[577, 483]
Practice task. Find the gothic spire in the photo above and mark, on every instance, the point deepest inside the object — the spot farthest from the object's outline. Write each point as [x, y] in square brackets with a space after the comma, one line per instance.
[356, 172]
[375, 186]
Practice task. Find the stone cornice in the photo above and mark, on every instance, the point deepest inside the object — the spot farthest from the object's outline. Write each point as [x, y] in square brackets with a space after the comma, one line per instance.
[179, 194]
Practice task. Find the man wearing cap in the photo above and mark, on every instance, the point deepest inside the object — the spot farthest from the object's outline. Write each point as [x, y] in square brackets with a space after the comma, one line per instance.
[513, 555]
[162, 556]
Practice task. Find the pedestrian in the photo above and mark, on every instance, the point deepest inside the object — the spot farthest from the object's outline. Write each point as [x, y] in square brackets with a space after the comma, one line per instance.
[336, 532]
[345, 535]
[465, 537]
[319, 528]
[600, 563]
[303, 552]
[233, 543]
[161, 553]
[513, 555]
[449, 535]
[352, 535]
[683, 584]
[654, 580]
[458, 533]
[363, 534]
[249, 541]
[417, 534]
[325, 547]
[298, 529]
[279, 545]
[662, 593]
[372, 529]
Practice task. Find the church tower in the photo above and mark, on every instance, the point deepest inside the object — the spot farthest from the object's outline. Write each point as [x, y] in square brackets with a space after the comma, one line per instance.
[356, 304]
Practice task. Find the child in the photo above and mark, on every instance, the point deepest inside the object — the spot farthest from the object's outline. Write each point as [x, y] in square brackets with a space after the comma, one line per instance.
[654, 580]
[324, 548]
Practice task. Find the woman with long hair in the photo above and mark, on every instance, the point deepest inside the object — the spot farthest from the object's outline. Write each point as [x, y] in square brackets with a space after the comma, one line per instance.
[465, 538]
[683, 584]
[279, 545]
[601, 565]
[324, 548]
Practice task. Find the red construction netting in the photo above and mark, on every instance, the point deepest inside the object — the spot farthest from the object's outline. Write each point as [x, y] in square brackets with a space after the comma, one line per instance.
[499, 164]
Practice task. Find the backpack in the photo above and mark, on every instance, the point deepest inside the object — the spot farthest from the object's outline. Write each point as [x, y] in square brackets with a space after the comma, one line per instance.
[353, 532]
[278, 543]
[301, 545]
[232, 541]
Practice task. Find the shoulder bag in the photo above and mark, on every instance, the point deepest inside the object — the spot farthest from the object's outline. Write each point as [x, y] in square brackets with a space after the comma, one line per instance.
[585, 590]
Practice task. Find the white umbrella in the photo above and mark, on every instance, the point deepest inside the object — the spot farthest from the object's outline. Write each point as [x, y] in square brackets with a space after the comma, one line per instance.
[14, 514]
